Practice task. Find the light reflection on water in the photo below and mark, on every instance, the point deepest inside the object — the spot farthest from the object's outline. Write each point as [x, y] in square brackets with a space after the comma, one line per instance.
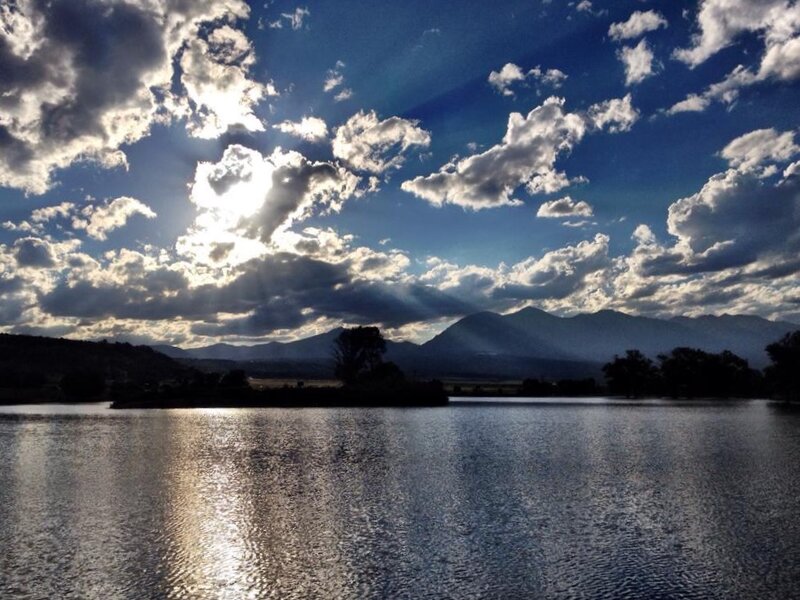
[466, 501]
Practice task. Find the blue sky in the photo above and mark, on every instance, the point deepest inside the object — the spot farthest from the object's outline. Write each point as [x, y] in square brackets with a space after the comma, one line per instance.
[653, 167]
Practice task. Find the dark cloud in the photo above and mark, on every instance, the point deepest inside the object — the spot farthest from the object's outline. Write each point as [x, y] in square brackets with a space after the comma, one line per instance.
[33, 252]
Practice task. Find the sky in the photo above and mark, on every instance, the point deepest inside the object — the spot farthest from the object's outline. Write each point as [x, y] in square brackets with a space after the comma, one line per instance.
[189, 172]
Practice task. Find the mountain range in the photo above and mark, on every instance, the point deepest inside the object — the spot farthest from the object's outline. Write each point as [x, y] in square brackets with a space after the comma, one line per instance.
[526, 343]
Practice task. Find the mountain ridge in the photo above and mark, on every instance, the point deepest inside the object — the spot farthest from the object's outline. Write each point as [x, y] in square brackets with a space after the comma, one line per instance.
[503, 344]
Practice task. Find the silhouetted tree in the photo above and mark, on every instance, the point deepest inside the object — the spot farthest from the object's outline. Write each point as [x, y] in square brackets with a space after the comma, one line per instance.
[358, 351]
[783, 375]
[632, 375]
[684, 372]
[691, 373]
[384, 373]
[235, 378]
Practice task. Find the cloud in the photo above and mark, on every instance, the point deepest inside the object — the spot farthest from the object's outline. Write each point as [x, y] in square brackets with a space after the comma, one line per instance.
[246, 197]
[510, 74]
[617, 115]
[33, 252]
[564, 207]
[334, 80]
[638, 61]
[526, 154]
[99, 220]
[721, 22]
[639, 23]
[218, 89]
[343, 94]
[310, 129]
[82, 78]
[559, 273]
[692, 103]
[293, 19]
[365, 142]
[585, 6]
[734, 220]
[751, 151]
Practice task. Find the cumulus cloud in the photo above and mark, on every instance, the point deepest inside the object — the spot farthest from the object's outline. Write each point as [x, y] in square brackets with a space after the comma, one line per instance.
[96, 219]
[33, 252]
[751, 151]
[368, 144]
[559, 273]
[511, 74]
[99, 220]
[81, 92]
[638, 62]
[526, 156]
[616, 115]
[310, 129]
[218, 88]
[734, 220]
[564, 207]
[720, 23]
[639, 23]
[528, 151]
[246, 197]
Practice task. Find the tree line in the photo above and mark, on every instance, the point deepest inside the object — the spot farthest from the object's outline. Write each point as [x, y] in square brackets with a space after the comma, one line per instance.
[693, 373]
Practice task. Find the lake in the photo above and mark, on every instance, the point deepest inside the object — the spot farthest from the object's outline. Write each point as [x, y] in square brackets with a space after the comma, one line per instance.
[571, 499]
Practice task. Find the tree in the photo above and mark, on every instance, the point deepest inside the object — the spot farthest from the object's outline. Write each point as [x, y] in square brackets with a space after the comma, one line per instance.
[783, 374]
[631, 375]
[358, 351]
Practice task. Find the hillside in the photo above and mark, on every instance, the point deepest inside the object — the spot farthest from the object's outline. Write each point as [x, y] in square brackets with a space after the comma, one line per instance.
[40, 359]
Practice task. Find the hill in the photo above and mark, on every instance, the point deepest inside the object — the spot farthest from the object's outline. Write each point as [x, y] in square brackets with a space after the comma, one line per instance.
[31, 362]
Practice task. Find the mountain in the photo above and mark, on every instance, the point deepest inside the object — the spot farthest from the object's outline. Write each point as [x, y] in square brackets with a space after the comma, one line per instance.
[526, 343]
[597, 337]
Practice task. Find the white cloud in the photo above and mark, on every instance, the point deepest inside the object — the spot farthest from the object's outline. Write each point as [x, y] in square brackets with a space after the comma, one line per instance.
[343, 94]
[617, 115]
[99, 220]
[218, 89]
[528, 150]
[692, 103]
[294, 19]
[525, 157]
[559, 273]
[247, 200]
[510, 74]
[310, 129]
[334, 77]
[639, 23]
[564, 207]
[638, 61]
[365, 142]
[721, 22]
[751, 151]
[585, 6]
[86, 92]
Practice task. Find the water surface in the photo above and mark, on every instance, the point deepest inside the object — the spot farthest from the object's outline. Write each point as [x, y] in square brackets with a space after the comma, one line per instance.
[550, 499]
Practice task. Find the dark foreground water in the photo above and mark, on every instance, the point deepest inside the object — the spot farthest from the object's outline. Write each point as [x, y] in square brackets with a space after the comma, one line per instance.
[466, 501]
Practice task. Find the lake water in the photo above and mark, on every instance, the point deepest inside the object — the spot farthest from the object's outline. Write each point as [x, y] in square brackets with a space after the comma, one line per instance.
[554, 500]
